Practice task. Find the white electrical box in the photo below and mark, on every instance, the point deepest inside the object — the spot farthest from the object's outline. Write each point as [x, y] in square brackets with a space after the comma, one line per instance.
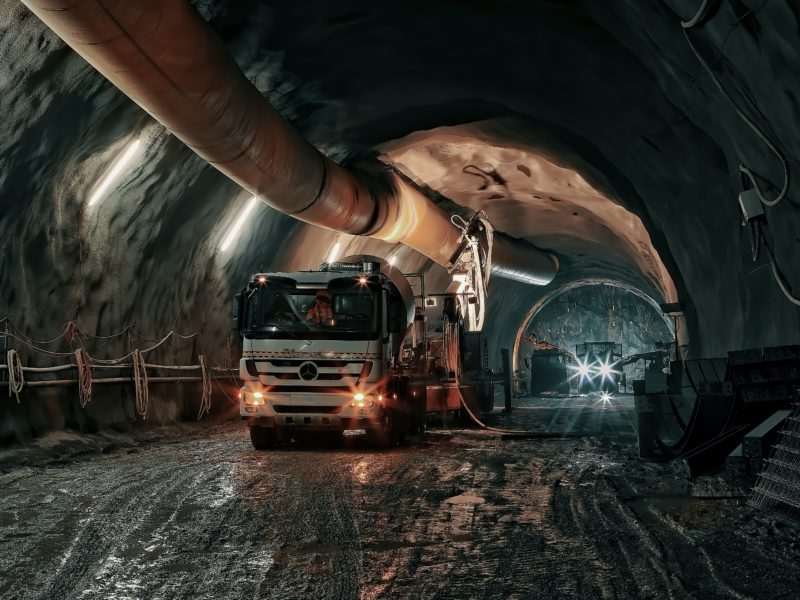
[750, 205]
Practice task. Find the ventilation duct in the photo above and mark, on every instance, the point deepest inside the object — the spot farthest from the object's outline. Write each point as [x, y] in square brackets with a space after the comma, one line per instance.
[167, 59]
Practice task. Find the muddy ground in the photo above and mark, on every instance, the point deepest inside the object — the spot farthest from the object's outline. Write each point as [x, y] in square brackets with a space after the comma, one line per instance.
[461, 514]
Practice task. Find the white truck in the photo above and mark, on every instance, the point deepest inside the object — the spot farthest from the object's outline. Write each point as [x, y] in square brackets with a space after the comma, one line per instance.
[321, 352]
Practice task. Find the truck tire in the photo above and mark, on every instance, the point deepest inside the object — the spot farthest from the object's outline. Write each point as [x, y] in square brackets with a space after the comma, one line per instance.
[262, 437]
[392, 432]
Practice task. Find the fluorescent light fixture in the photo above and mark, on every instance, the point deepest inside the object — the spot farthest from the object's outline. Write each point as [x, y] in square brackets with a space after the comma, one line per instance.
[334, 253]
[237, 226]
[114, 171]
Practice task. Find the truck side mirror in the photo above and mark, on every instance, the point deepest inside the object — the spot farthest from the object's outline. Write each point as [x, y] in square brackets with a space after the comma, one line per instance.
[236, 311]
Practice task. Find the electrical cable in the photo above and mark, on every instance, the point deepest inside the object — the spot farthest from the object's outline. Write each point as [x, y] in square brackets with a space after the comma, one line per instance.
[744, 169]
[779, 277]
[514, 432]
[755, 240]
[699, 16]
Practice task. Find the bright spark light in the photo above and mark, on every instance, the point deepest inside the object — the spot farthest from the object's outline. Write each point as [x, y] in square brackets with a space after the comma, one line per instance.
[237, 226]
[606, 370]
[582, 370]
[605, 399]
[114, 171]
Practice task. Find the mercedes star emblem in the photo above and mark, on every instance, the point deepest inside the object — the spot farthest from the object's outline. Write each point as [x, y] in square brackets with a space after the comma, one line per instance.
[308, 371]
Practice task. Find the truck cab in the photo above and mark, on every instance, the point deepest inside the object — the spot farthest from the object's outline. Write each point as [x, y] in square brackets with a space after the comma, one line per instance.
[320, 352]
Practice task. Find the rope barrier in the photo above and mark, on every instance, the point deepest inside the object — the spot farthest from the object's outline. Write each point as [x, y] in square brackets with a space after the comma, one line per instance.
[16, 377]
[140, 383]
[205, 400]
[84, 364]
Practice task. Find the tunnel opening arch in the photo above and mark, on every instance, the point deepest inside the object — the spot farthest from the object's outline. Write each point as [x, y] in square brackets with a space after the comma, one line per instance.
[553, 294]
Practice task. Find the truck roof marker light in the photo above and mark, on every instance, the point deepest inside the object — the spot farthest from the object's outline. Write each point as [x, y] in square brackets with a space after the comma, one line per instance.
[114, 172]
[237, 226]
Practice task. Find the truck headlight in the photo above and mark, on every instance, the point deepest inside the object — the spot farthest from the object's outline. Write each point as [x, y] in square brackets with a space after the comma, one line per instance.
[360, 399]
[254, 398]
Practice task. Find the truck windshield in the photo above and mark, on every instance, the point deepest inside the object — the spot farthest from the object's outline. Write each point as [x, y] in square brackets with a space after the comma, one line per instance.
[279, 311]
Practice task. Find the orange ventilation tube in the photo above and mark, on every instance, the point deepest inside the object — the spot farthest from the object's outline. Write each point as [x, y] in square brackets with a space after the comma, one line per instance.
[165, 57]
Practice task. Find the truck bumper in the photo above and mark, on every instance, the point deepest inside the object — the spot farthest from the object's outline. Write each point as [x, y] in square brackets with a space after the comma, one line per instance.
[311, 412]
[315, 422]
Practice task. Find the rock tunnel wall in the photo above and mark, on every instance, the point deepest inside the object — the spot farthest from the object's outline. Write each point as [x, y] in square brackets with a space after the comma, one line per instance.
[612, 88]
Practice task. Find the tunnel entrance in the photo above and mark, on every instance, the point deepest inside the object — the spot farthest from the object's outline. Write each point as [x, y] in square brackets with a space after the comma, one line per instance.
[581, 315]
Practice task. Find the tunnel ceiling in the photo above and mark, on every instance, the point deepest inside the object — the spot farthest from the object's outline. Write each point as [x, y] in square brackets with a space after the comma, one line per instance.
[490, 166]
[605, 97]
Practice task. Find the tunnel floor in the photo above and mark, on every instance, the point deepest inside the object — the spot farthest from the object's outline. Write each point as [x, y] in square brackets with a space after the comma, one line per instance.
[462, 514]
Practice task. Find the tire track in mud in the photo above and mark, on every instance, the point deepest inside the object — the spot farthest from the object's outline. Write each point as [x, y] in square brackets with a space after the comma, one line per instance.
[105, 530]
[684, 555]
[651, 558]
[65, 571]
[457, 516]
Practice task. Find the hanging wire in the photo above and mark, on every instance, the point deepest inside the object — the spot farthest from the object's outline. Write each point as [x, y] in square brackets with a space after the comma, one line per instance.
[744, 169]
[777, 273]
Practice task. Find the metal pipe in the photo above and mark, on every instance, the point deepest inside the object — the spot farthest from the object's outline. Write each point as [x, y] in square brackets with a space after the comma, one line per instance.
[513, 258]
[165, 57]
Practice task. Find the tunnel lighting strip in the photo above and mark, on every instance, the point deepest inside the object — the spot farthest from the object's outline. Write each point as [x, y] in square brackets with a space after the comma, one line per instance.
[115, 171]
[237, 227]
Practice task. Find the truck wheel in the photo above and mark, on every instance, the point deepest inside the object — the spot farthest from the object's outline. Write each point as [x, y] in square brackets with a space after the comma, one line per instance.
[262, 437]
[401, 426]
[390, 434]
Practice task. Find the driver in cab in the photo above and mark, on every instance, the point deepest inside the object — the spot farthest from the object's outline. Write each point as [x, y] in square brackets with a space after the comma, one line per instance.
[321, 311]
